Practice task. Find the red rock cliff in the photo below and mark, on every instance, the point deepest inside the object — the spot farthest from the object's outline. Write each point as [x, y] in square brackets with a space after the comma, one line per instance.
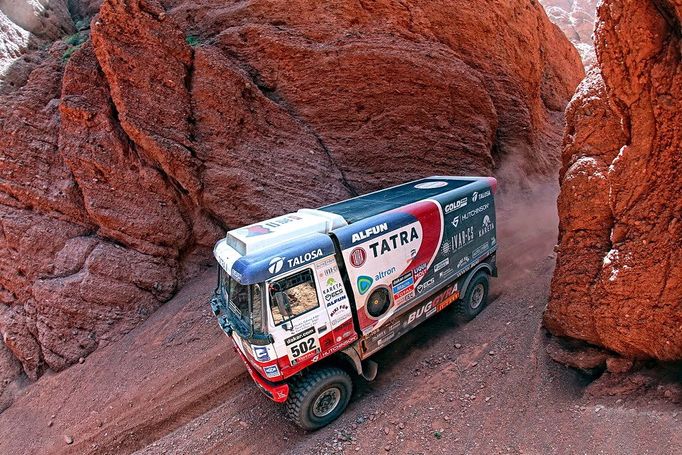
[618, 281]
[129, 148]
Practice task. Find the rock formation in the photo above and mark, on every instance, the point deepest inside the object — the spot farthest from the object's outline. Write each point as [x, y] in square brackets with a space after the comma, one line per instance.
[618, 281]
[133, 142]
[576, 19]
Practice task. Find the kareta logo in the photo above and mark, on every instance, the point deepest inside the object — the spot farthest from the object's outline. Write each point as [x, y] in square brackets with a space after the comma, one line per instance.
[364, 283]
[276, 265]
[486, 227]
[330, 281]
[362, 235]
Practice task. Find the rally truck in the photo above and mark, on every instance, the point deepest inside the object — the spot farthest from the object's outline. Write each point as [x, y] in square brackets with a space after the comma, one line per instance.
[307, 298]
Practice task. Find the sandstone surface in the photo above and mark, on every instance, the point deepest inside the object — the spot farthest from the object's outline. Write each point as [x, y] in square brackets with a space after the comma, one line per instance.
[618, 281]
[576, 18]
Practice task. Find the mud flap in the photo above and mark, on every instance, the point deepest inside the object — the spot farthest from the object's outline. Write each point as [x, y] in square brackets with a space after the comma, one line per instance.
[369, 369]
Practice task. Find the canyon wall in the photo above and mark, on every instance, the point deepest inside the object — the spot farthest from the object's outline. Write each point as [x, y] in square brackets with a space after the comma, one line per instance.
[618, 281]
[132, 142]
[576, 19]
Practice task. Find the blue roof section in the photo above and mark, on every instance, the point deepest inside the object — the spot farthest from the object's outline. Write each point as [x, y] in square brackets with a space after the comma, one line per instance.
[368, 205]
[258, 267]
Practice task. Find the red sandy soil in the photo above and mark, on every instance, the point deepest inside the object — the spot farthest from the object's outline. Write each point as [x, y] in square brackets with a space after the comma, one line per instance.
[173, 385]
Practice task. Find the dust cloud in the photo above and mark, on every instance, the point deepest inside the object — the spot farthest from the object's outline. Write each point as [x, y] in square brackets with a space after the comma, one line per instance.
[527, 230]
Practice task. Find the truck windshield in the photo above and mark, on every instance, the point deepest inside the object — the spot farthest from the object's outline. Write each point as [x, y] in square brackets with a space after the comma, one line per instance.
[244, 305]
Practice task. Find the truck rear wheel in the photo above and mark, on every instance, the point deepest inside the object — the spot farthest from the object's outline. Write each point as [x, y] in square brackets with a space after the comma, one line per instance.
[476, 297]
[318, 397]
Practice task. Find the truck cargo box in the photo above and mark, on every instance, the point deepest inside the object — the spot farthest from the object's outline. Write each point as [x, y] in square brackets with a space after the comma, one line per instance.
[406, 243]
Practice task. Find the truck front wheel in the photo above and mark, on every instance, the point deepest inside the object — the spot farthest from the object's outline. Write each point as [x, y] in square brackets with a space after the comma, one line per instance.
[476, 297]
[318, 397]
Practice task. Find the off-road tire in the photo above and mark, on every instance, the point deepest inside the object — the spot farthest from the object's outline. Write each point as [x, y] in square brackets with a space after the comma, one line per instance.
[307, 389]
[476, 297]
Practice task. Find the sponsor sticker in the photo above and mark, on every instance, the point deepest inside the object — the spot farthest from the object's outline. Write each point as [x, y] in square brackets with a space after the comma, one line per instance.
[276, 265]
[304, 258]
[403, 282]
[394, 241]
[261, 353]
[426, 285]
[333, 292]
[461, 203]
[464, 261]
[385, 273]
[419, 271]
[486, 227]
[364, 283]
[367, 233]
[477, 196]
[302, 345]
[271, 371]
[476, 211]
[358, 257]
[442, 264]
[480, 250]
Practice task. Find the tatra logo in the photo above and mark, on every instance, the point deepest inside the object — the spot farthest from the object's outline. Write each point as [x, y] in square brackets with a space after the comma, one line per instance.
[389, 244]
[362, 235]
[276, 265]
[358, 257]
[302, 259]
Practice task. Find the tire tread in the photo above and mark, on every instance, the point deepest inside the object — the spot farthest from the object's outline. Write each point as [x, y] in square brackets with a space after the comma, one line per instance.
[301, 385]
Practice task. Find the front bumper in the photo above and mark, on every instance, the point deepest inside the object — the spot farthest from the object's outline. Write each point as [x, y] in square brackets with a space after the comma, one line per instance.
[276, 392]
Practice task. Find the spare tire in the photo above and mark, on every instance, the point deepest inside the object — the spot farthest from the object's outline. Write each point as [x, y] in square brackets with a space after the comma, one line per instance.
[379, 302]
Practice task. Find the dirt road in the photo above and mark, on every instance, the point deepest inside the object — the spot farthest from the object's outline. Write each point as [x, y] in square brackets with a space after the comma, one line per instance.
[174, 386]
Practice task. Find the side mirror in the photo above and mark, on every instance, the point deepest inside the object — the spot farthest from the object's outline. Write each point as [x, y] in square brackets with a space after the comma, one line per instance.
[283, 304]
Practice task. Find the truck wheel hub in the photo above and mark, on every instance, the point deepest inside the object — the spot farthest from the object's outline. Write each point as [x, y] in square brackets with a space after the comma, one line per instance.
[477, 296]
[326, 402]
